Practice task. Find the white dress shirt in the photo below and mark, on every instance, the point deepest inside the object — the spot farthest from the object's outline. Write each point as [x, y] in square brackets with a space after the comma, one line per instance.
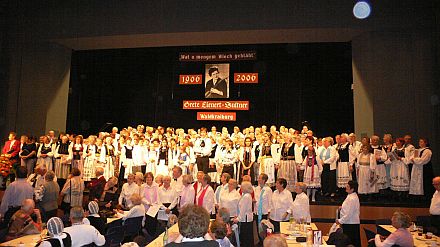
[245, 213]
[203, 151]
[281, 204]
[229, 199]
[82, 234]
[267, 199]
[208, 199]
[350, 210]
[127, 191]
[434, 209]
[218, 192]
[301, 207]
[177, 184]
[187, 196]
[168, 195]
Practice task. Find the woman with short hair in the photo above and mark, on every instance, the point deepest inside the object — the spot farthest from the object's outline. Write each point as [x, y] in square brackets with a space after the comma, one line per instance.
[401, 237]
[300, 206]
[349, 214]
[245, 216]
[193, 228]
[281, 204]
[187, 195]
[49, 199]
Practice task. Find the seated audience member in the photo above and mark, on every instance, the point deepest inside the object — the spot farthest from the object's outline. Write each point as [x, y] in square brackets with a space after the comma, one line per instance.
[401, 237]
[128, 189]
[49, 196]
[137, 209]
[223, 215]
[218, 232]
[275, 240]
[96, 186]
[109, 197]
[300, 206]
[15, 194]
[94, 218]
[22, 224]
[193, 228]
[434, 209]
[82, 234]
[57, 237]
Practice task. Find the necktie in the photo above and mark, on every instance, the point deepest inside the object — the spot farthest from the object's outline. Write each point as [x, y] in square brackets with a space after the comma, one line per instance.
[260, 206]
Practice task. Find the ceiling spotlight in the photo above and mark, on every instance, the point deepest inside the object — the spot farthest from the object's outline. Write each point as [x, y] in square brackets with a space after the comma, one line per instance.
[361, 10]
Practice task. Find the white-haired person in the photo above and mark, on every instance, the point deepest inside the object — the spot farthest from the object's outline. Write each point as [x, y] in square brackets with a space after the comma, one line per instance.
[128, 189]
[345, 163]
[22, 223]
[229, 198]
[300, 206]
[328, 157]
[245, 216]
[168, 196]
[82, 234]
[401, 237]
[57, 236]
[286, 161]
[136, 209]
[188, 194]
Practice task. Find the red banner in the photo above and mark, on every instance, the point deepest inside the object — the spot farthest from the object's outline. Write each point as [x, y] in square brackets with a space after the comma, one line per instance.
[245, 77]
[190, 79]
[215, 105]
[216, 116]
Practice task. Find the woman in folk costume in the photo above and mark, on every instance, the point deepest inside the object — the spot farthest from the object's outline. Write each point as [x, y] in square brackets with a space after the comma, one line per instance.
[399, 159]
[45, 153]
[62, 158]
[287, 164]
[183, 160]
[109, 155]
[126, 159]
[212, 168]
[380, 156]
[267, 165]
[162, 165]
[345, 164]
[89, 159]
[100, 154]
[247, 159]
[77, 153]
[365, 169]
[422, 173]
[312, 173]
[387, 147]
[173, 153]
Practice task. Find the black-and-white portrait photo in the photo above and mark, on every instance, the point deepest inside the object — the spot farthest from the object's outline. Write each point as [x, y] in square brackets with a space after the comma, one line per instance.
[216, 81]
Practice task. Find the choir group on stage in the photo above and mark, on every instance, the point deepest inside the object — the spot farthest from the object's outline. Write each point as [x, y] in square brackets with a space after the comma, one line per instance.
[252, 173]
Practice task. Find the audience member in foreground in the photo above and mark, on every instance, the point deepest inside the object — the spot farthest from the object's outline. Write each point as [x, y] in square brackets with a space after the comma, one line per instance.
[275, 240]
[80, 233]
[218, 230]
[193, 228]
[22, 224]
[434, 209]
[57, 237]
[401, 237]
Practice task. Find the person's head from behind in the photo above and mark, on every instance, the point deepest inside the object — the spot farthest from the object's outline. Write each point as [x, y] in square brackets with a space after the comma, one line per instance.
[28, 206]
[135, 199]
[400, 220]
[193, 221]
[50, 176]
[55, 226]
[99, 171]
[76, 172]
[76, 214]
[21, 172]
[275, 240]
[223, 215]
[218, 229]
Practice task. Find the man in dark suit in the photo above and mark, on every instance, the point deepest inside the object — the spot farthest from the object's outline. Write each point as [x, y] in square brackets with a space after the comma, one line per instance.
[216, 87]
[96, 186]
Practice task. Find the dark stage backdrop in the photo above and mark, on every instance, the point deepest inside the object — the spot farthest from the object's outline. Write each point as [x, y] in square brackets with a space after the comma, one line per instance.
[297, 82]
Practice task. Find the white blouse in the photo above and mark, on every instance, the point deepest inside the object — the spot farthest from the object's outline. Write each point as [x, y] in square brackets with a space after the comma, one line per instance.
[350, 210]
[229, 200]
[245, 213]
[281, 204]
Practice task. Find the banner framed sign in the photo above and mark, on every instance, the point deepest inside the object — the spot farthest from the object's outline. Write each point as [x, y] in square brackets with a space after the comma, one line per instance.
[215, 105]
[216, 116]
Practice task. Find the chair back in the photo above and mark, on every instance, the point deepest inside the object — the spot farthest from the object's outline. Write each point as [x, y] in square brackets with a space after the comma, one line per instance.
[114, 236]
[113, 224]
[379, 229]
[133, 226]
